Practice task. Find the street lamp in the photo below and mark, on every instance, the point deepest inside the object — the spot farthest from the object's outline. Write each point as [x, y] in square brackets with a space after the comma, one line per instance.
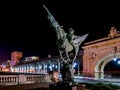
[114, 58]
[118, 62]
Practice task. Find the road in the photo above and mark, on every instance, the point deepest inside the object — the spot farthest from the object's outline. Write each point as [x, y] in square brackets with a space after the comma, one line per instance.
[93, 80]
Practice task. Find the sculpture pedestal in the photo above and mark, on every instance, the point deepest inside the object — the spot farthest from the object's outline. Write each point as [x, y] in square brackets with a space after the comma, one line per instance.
[62, 86]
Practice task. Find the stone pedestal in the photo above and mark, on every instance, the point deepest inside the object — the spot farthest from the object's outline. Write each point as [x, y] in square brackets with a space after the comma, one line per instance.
[62, 86]
[66, 86]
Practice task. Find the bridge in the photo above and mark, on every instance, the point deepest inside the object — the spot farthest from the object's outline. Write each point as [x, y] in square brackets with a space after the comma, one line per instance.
[100, 52]
[93, 59]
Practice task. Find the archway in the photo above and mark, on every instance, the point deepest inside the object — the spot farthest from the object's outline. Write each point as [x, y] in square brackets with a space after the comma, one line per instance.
[100, 65]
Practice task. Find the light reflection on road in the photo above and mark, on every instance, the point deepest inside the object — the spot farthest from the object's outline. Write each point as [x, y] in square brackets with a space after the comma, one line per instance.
[93, 80]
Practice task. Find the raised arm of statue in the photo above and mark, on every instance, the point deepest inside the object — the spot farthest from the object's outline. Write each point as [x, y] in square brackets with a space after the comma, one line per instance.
[52, 20]
[58, 28]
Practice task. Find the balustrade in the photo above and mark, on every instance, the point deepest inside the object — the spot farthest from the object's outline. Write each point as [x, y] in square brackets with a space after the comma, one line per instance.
[21, 79]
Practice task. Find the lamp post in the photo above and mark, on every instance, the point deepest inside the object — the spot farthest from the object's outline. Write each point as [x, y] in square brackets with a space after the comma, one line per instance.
[78, 68]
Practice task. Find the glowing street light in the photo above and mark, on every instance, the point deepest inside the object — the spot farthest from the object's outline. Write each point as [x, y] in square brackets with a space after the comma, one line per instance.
[75, 64]
[40, 67]
[114, 58]
[53, 65]
[56, 66]
[118, 62]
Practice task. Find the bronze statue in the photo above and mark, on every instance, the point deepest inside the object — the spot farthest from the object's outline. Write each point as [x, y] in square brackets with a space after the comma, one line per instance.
[68, 45]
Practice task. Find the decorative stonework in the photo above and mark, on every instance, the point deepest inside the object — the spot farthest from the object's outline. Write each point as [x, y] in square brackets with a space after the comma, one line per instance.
[113, 32]
[96, 50]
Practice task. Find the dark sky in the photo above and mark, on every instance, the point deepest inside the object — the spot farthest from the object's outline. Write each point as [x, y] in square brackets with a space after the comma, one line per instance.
[25, 27]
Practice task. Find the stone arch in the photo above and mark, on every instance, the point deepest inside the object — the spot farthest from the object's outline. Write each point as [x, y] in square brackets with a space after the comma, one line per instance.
[100, 65]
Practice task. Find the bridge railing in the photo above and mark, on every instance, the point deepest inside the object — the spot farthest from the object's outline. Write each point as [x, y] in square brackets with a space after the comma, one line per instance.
[8, 79]
[21, 79]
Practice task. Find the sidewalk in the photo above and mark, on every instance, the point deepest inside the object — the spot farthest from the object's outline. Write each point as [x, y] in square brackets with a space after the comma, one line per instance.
[26, 87]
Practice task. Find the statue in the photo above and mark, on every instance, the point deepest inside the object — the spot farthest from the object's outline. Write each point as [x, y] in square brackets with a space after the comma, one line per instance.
[68, 45]
[113, 32]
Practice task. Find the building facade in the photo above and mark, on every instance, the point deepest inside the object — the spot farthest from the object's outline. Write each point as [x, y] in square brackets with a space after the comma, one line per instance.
[100, 52]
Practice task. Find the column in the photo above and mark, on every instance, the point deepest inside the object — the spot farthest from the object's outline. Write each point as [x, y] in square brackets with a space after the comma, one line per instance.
[78, 68]
[58, 66]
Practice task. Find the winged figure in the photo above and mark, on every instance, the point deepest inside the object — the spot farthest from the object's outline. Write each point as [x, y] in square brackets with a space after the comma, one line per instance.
[68, 44]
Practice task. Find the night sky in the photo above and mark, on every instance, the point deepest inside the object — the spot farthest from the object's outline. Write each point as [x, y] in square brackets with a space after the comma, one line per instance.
[25, 27]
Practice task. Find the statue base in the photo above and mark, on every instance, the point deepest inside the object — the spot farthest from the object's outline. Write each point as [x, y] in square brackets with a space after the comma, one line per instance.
[65, 85]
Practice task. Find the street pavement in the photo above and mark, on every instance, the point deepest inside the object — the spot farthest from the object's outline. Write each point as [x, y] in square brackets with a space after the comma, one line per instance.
[115, 81]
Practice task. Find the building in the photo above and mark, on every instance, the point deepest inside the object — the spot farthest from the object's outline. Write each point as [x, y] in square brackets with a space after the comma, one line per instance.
[15, 57]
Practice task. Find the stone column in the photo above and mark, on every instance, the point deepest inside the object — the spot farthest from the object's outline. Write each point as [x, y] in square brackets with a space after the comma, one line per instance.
[102, 75]
[78, 68]
[58, 65]
[97, 76]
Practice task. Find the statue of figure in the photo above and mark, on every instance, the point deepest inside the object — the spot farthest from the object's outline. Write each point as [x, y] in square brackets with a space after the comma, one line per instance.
[113, 32]
[68, 45]
[71, 46]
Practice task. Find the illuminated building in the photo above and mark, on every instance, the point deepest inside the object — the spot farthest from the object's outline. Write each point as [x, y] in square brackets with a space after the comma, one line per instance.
[31, 58]
[15, 57]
